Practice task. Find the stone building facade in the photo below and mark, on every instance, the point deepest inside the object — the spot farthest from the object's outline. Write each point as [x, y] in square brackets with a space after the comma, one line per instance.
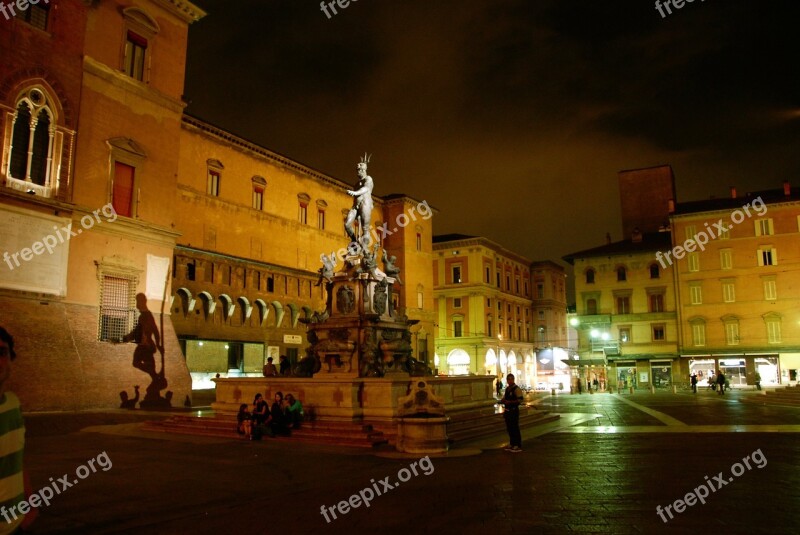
[116, 206]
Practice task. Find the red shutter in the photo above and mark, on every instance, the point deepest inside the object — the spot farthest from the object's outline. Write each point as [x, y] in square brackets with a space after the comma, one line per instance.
[137, 39]
[123, 189]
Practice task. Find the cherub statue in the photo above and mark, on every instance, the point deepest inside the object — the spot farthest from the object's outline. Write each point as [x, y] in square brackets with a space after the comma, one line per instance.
[390, 268]
[328, 266]
[370, 262]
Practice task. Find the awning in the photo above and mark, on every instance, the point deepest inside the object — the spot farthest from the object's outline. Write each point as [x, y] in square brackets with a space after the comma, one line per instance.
[586, 362]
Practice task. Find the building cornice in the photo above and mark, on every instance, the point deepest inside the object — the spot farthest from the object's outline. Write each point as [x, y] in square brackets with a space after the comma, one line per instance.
[193, 124]
[485, 242]
[126, 83]
[185, 10]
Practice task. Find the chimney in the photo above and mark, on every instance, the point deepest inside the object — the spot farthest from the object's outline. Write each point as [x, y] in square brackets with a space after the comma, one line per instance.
[608, 238]
[733, 192]
[671, 206]
[787, 188]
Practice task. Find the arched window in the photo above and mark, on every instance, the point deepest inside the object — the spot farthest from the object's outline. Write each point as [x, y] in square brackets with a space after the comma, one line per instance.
[31, 162]
[590, 276]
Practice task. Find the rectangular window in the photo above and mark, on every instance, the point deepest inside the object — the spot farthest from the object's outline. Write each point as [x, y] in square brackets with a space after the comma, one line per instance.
[517, 285]
[725, 233]
[457, 329]
[767, 256]
[696, 294]
[624, 334]
[732, 333]
[419, 241]
[135, 49]
[657, 303]
[456, 274]
[36, 15]
[420, 299]
[541, 315]
[770, 290]
[699, 334]
[213, 183]
[659, 333]
[526, 288]
[623, 305]
[728, 292]
[488, 303]
[691, 230]
[456, 302]
[488, 327]
[774, 332]
[508, 283]
[117, 310]
[725, 259]
[302, 213]
[498, 279]
[258, 198]
[122, 199]
[271, 284]
[764, 227]
[321, 219]
[488, 276]
[539, 290]
[694, 261]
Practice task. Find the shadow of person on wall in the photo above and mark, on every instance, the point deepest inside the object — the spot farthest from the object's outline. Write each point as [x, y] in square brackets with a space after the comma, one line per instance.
[148, 341]
[128, 403]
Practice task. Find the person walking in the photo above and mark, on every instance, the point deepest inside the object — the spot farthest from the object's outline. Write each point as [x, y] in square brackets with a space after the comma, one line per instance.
[511, 402]
[694, 382]
[720, 383]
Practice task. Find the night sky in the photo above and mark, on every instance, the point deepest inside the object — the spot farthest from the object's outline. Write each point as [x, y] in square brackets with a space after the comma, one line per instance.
[512, 117]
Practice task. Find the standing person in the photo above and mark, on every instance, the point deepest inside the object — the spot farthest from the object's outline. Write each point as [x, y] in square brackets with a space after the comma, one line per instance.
[285, 367]
[269, 369]
[499, 387]
[720, 383]
[511, 401]
[694, 382]
[14, 484]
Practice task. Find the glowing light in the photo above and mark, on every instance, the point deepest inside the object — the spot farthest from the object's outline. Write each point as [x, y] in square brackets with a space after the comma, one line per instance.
[574, 322]
[605, 336]
[594, 333]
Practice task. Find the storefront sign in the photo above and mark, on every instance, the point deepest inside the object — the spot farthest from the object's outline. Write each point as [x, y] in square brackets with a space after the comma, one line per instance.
[292, 339]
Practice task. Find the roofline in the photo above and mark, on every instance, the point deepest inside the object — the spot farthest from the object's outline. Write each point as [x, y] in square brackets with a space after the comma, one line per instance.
[478, 240]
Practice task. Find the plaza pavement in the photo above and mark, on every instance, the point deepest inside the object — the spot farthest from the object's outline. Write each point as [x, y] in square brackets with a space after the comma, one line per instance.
[604, 468]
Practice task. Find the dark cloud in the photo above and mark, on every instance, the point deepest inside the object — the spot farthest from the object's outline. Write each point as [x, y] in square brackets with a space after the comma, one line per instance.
[511, 116]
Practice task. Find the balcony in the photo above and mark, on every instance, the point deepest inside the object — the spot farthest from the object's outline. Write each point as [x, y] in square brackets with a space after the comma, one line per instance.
[609, 348]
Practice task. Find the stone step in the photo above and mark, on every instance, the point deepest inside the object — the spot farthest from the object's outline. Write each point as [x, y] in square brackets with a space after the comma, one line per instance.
[344, 434]
[496, 424]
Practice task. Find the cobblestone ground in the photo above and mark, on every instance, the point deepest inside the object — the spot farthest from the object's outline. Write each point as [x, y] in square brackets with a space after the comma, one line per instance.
[564, 482]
